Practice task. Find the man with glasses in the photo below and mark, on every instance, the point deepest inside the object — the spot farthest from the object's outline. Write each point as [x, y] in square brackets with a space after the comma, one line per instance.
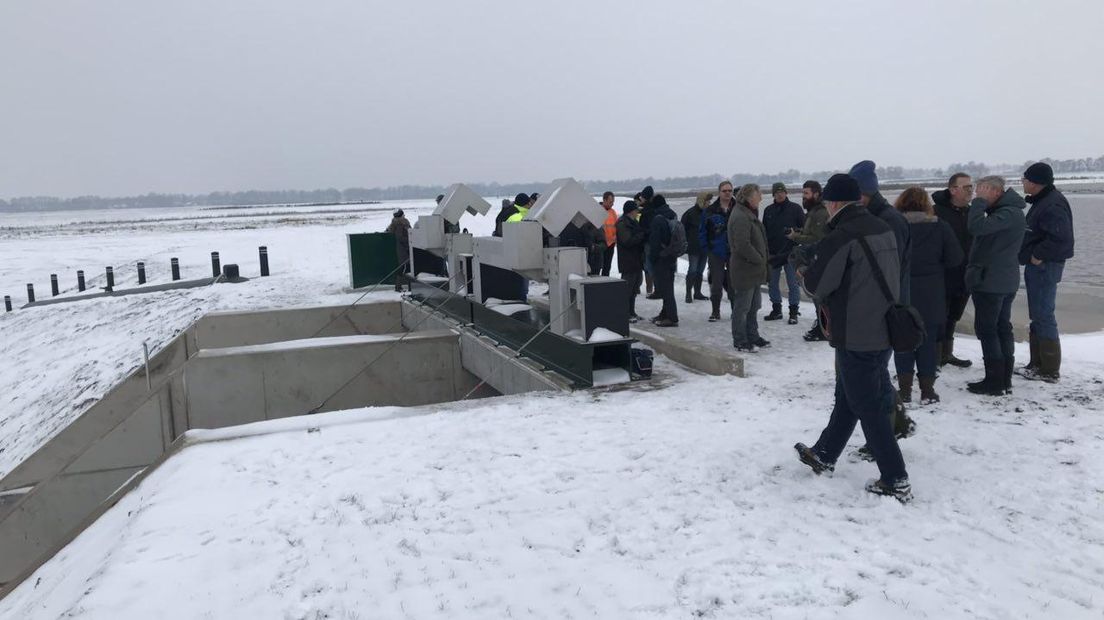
[951, 206]
[713, 236]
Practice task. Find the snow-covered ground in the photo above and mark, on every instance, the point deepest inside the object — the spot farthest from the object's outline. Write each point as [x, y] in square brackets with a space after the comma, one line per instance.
[678, 499]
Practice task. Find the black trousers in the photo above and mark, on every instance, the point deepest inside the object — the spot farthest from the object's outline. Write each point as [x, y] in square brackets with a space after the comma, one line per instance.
[956, 304]
[663, 276]
[634, 278]
[607, 260]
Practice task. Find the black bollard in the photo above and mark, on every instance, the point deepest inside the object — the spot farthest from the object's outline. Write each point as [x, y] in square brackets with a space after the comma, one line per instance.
[175, 269]
[7, 303]
[264, 260]
[30, 293]
[215, 268]
[80, 280]
[53, 285]
[141, 273]
[110, 279]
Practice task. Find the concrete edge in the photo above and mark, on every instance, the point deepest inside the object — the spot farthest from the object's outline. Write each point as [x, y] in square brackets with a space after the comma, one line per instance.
[691, 355]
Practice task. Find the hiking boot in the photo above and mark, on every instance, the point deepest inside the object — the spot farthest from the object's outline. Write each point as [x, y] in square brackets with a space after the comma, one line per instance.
[746, 347]
[653, 295]
[665, 322]
[904, 387]
[927, 391]
[862, 453]
[689, 289]
[815, 334]
[810, 458]
[697, 289]
[1050, 363]
[948, 356]
[794, 313]
[761, 342]
[903, 426]
[713, 318]
[634, 318]
[899, 489]
[775, 314]
[993, 383]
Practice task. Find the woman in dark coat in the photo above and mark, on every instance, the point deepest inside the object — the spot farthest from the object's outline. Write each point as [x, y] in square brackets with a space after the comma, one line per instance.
[630, 253]
[934, 250]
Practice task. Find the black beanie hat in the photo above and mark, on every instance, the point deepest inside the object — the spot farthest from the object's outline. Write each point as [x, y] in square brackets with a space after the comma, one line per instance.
[1040, 172]
[841, 188]
[398, 213]
[440, 197]
[647, 192]
[521, 199]
[629, 206]
[659, 201]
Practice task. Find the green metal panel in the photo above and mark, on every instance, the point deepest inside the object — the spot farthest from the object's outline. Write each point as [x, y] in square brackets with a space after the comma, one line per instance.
[372, 259]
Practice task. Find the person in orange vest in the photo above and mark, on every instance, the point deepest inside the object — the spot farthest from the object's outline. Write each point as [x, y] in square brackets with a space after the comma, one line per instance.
[610, 230]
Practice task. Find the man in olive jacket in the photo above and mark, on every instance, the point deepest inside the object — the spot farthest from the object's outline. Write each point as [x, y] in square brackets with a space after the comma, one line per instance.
[816, 226]
[747, 267]
[844, 282]
[996, 221]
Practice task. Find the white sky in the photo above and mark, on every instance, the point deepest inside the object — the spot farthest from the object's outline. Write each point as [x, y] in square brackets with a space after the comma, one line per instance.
[117, 97]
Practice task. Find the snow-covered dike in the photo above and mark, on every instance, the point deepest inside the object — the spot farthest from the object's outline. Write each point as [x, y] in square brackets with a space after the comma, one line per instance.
[672, 503]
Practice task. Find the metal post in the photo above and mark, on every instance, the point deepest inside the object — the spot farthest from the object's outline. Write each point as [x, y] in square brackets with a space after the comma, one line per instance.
[141, 273]
[215, 268]
[264, 260]
[145, 355]
[110, 279]
[7, 303]
[80, 280]
[175, 269]
[53, 285]
[30, 293]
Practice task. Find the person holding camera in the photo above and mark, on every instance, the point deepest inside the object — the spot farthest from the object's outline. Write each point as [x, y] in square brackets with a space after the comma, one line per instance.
[781, 219]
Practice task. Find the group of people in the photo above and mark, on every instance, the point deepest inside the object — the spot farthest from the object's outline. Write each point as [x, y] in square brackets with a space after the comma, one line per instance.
[934, 257]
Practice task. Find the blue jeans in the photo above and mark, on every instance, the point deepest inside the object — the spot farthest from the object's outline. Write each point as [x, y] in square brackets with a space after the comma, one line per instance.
[864, 395]
[993, 325]
[697, 266]
[775, 291]
[1041, 282]
[648, 261]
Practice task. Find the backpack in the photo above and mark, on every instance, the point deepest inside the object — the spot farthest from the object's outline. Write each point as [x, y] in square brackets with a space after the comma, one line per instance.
[677, 245]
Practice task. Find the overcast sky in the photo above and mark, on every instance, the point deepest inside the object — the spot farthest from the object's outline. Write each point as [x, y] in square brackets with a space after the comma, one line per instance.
[116, 97]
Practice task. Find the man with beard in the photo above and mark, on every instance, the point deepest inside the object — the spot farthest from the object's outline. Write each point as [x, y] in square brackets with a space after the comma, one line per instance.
[780, 218]
[951, 206]
[816, 227]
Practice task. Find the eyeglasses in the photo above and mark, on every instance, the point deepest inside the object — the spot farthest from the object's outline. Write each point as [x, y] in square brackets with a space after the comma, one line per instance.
[726, 191]
[965, 186]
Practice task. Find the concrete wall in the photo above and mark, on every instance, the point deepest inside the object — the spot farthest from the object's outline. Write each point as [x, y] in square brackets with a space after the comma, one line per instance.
[234, 329]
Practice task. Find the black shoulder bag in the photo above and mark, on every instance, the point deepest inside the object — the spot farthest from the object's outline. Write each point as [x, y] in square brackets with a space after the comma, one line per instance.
[906, 326]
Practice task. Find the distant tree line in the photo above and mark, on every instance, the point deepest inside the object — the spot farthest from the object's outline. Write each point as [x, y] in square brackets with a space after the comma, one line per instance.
[412, 192]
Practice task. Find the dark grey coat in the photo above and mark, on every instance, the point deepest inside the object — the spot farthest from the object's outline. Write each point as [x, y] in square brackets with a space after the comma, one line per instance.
[998, 231]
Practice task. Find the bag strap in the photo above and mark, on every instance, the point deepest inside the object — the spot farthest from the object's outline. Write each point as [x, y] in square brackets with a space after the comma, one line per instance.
[876, 268]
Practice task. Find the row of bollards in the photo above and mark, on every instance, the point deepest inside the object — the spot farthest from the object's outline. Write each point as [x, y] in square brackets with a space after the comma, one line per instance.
[109, 273]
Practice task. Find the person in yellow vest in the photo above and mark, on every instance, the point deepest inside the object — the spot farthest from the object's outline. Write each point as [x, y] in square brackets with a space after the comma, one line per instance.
[521, 208]
[609, 228]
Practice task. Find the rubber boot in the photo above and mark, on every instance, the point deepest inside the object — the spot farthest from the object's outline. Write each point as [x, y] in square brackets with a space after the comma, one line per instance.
[697, 289]
[794, 313]
[776, 313]
[1033, 361]
[1050, 362]
[948, 356]
[904, 387]
[689, 289]
[927, 390]
[993, 383]
[1009, 368]
[716, 315]
[648, 288]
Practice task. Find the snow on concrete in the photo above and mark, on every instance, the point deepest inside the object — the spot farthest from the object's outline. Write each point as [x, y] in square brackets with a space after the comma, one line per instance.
[678, 498]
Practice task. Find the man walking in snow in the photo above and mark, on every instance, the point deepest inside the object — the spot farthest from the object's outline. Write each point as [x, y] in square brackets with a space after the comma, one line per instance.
[844, 281]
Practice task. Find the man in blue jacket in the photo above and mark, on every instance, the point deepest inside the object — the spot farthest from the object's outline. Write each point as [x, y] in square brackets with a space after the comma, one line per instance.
[1047, 245]
[713, 237]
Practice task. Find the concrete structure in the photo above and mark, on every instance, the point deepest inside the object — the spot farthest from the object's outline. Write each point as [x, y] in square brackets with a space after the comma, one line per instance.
[234, 368]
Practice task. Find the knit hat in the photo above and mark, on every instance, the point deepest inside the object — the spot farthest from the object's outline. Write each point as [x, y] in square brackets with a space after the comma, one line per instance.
[1040, 172]
[629, 207]
[522, 199]
[778, 187]
[864, 173]
[440, 197]
[533, 197]
[647, 192]
[398, 213]
[506, 203]
[841, 188]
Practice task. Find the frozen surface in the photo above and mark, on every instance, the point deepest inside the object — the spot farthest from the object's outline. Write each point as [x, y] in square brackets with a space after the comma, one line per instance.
[679, 498]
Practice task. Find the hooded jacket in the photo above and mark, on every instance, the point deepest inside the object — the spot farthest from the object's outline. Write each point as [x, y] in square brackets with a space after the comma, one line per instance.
[630, 245]
[659, 235]
[1049, 236]
[998, 231]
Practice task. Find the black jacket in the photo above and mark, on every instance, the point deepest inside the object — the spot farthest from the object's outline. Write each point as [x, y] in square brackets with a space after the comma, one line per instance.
[502, 216]
[777, 217]
[1049, 236]
[955, 278]
[691, 221]
[880, 208]
[630, 245]
[935, 251]
[659, 234]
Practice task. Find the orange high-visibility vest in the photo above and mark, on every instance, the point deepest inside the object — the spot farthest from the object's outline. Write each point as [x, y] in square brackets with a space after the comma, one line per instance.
[610, 227]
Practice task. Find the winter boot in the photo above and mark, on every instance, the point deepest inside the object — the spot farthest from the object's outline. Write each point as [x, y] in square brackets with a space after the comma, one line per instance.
[689, 289]
[1009, 369]
[993, 383]
[716, 314]
[648, 287]
[1050, 362]
[904, 387]
[927, 391]
[810, 458]
[815, 334]
[899, 489]
[776, 313]
[948, 356]
[1033, 361]
[903, 426]
[794, 313]
[697, 289]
